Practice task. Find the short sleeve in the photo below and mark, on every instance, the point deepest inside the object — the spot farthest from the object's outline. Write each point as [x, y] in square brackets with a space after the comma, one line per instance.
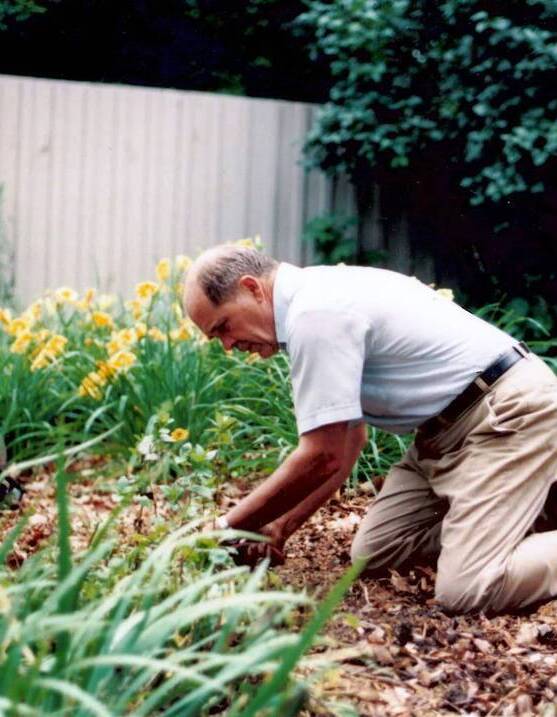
[327, 351]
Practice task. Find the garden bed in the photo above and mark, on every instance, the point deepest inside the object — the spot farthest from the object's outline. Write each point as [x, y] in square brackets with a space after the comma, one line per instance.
[388, 649]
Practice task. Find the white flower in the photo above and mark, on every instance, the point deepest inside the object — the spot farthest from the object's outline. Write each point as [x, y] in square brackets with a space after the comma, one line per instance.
[146, 445]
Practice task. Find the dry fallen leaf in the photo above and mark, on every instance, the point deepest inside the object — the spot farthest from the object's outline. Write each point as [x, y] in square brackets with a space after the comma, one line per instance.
[527, 634]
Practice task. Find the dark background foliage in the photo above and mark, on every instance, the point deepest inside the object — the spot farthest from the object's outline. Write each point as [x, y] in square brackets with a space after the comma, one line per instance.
[209, 45]
[451, 108]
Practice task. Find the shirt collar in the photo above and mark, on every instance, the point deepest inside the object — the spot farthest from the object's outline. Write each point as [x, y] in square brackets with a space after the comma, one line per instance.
[288, 279]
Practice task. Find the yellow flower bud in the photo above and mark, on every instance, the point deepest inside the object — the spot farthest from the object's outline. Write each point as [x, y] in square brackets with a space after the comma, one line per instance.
[446, 294]
[5, 316]
[183, 262]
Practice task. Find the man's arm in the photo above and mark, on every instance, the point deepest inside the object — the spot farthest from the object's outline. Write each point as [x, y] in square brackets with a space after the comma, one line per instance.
[305, 480]
[283, 527]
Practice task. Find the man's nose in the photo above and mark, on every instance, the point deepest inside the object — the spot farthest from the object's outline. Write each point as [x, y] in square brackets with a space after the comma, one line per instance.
[227, 342]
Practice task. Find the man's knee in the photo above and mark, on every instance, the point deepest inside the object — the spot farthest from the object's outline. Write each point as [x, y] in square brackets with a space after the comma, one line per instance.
[372, 549]
[460, 593]
[381, 549]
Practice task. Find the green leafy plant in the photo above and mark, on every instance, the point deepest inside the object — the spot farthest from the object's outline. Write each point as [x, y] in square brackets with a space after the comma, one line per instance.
[466, 81]
[334, 240]
[183, 634]
[17, 10]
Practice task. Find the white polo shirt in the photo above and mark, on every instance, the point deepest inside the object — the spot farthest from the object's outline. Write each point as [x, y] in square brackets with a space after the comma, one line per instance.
[374, 344]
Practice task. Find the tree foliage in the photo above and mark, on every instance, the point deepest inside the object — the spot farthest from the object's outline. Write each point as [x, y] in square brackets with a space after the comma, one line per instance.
[470, 80]
[17, 10]
[208, 45]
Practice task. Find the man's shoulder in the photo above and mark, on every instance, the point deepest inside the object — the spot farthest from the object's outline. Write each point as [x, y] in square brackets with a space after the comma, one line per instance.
[342, 289]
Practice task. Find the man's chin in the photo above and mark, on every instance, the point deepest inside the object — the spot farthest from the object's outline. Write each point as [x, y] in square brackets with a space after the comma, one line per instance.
[267, 351]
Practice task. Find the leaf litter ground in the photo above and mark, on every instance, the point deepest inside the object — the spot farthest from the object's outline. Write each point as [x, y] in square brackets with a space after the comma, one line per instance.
[389, 649]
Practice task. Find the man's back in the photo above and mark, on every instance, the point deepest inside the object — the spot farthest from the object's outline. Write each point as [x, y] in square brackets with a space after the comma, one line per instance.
[411, 349]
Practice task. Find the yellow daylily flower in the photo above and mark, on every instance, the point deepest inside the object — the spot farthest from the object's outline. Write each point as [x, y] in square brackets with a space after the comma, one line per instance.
[113, 346]
[105, 301]
[140, 330]
[146, 289]
[102, 319]
[105, 370]
[18, 325]
[156, 334]
[182, 333]
[40, 338]
[86, 302]
[135, 306]
[163, 270]
[128, 336]
[65, 295]
[249, 242]
[22, 342]
[122, 360]
[56, 344]
[5, 316]
[121, 340]
[51, 349]
[90, 386]
[42, 360]
[33, 312]
[179, 434]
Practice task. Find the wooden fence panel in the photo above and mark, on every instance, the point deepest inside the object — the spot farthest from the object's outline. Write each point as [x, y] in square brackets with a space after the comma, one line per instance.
[100, 180]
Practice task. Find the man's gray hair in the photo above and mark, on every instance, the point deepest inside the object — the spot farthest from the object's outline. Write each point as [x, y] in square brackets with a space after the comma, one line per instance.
[219, 277]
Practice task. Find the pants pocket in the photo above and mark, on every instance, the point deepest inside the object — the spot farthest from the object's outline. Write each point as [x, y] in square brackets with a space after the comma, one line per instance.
[506, 415]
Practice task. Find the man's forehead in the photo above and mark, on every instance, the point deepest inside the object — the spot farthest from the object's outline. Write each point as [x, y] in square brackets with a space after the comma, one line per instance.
[202, 311]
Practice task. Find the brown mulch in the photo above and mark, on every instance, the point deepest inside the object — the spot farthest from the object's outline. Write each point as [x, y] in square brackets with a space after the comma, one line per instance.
[398, 653]
[389, 649]
[91, 504]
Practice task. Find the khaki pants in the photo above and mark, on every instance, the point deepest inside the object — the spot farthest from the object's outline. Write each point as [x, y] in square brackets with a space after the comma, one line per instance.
[471, 493]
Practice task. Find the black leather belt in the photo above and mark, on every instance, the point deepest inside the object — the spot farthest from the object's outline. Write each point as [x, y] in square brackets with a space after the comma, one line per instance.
[476, 390]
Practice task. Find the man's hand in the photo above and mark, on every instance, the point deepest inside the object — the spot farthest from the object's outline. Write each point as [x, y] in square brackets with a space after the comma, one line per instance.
[251, 552]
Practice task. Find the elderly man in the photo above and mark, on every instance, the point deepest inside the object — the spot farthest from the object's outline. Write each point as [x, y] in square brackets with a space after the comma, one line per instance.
[368, 345]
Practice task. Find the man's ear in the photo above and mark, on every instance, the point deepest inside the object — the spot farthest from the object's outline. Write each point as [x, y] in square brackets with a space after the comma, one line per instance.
[253, 285]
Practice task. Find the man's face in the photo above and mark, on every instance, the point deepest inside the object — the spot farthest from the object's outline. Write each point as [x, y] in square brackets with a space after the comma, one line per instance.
[245, 322]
